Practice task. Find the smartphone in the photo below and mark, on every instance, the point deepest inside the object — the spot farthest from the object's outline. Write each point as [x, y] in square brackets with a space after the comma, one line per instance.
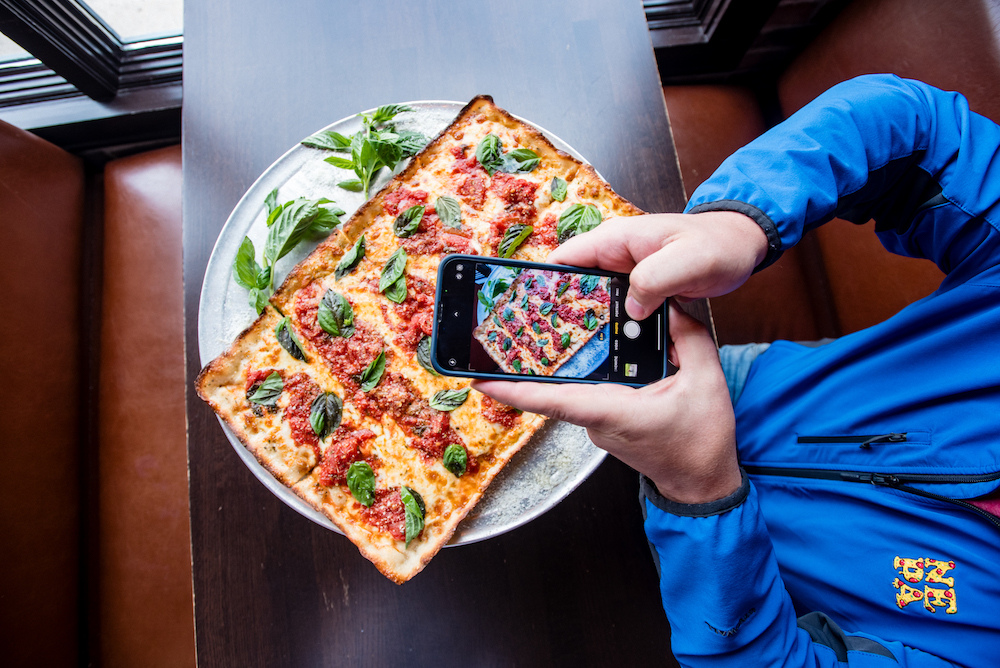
[509, 319]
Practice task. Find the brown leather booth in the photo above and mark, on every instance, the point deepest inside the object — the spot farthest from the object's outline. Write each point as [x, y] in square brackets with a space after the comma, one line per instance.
[840, 279]
[97, 567]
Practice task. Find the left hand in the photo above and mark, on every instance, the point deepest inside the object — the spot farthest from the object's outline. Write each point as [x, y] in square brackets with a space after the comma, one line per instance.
[680, 431]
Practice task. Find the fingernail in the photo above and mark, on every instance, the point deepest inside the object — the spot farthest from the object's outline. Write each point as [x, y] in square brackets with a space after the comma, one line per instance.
[634, 308]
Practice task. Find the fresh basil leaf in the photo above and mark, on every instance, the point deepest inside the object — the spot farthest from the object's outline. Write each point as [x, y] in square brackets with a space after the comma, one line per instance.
[387, 149]
[361, 482]
[590, 319]
[413, 505]
[449, 211]
[350, 259]
[386, 113]
[372, 373]
[288, 339]
[456, 459]
[424, 355]
[267, 393]
[569, 221]
[590, 219]
[558, 189]
[520, 160]
[588, 282]
[545, 361]
[517, 365]
[566, 340]
[245, 267]
[273, 215]
[337, 161]
[257, 298]
[546, 308]
[508, 314]
[496, 321]
[489, 153]
[555, 319]
[325, 414]
[520, 331]
[397, 291]
[499, 288]
[335, 315]
[289, 228]
[484, 300]
[536, 327]
[507, 343]
[492, 336]
[271, 201]
[512, 238]
[524, 302]
[411, 142]
[562, 288]
[328, 140]
[393, 269]
[449, 400]
[407, 222]
[354, 185]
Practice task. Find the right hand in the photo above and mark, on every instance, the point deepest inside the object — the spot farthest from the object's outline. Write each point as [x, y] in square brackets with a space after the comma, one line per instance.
[670, 255]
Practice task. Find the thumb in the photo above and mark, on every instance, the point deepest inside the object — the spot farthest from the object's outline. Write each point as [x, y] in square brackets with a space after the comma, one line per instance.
[692, 341]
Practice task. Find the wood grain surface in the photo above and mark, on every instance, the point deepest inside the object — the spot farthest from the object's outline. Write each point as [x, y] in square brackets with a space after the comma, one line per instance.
[575, 587]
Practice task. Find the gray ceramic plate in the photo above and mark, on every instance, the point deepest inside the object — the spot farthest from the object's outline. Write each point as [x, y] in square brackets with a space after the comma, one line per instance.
[557, 459]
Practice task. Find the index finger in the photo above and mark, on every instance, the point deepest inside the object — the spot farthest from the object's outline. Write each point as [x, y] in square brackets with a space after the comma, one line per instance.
[586, 405]
[617, 244]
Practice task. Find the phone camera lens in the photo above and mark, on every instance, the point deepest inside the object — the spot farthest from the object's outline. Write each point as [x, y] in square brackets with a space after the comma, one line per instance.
[460, 267]
[452, 362]
[458, 277]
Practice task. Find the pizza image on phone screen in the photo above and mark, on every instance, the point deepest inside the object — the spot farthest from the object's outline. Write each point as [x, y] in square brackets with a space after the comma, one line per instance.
[540, 322]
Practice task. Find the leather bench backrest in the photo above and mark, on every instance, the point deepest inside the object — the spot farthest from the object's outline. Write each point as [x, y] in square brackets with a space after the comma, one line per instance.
[41, 221]
[952, 45]
[146, 608]
[709, 122]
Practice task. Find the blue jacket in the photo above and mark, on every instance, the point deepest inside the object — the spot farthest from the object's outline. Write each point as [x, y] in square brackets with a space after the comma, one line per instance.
[845, 543]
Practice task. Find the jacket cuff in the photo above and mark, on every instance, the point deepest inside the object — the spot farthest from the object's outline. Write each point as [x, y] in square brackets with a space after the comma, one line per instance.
[648, 491]
[774, 249]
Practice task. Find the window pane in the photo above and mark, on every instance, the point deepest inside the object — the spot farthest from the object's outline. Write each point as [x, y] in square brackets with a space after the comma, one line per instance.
[136, 19]
[9, 50]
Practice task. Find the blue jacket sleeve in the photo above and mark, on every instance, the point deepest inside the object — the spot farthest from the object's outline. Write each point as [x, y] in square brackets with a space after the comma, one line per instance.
[912, 157]
[725, 600]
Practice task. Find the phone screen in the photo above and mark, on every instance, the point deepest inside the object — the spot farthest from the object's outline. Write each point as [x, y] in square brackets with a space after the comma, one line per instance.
[502, 317]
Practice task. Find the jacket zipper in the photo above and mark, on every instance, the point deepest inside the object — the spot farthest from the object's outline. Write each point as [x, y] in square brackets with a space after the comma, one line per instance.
[864, 441]
[895, 481]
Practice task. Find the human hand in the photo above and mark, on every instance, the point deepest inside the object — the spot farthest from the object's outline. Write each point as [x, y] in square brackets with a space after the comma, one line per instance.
[670, 254]
[680, 431]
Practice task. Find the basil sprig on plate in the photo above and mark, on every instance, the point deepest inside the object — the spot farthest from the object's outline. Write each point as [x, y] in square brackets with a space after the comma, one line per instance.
[490, 155]
[456, 459]
[335, 315]
[449, 211]
[513, 238]
[558, 188]
[361, 482]
[288, 225]
[372, 374]
[392, 282]
[378, 144]
[407, 222]
[577, 219]
[449, 400]
[267, 393]
[350, 259]
[413, 506]
[288, 339]
[325, 414]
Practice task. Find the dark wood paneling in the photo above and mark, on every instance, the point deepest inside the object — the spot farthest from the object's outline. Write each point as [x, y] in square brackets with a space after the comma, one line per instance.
[574, 587]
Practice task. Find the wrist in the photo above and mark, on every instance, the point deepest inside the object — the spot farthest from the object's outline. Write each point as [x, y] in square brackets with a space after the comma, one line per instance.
[649, 492]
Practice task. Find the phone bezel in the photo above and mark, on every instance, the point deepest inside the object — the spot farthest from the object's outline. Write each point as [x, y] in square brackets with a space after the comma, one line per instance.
[668, 369]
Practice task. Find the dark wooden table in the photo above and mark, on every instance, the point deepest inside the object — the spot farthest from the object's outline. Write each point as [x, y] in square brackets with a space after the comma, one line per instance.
[575, 587]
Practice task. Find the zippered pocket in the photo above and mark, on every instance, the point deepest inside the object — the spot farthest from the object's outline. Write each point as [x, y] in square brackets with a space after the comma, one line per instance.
[895, 481]
[863, 441]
